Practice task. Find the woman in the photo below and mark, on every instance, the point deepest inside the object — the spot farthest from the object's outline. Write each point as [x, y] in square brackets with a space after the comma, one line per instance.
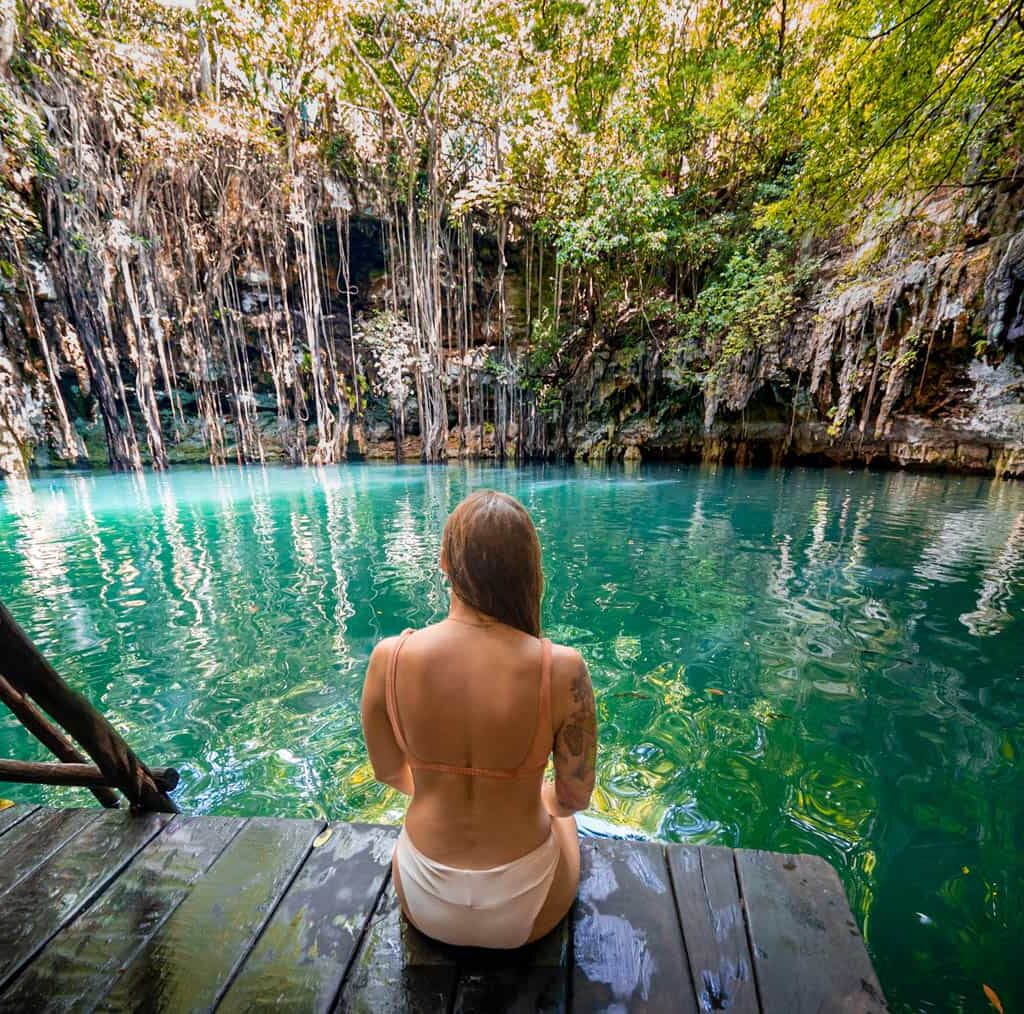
[462, 716]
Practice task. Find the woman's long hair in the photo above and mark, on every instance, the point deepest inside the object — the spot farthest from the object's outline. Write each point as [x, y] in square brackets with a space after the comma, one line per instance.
[492, 555]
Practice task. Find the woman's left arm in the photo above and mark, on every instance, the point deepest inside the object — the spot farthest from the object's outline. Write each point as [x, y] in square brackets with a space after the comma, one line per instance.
[386, 757]
[575, 748]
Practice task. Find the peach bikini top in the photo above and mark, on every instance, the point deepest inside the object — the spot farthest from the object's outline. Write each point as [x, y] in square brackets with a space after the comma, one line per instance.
[536, 755]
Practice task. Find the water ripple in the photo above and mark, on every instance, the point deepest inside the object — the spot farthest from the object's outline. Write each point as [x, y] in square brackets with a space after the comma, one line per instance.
[806, 661]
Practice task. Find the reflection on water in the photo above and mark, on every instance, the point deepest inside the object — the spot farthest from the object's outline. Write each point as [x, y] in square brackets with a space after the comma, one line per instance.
[803, 661]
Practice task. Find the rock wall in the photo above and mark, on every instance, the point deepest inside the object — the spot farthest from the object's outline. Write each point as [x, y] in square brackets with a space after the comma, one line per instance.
[892, 359]
[262, 289]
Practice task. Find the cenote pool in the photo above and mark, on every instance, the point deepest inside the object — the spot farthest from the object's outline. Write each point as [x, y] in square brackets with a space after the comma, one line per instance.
[801, 661]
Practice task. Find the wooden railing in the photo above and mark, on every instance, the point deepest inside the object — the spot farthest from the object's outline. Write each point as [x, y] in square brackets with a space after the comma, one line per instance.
[30, 686]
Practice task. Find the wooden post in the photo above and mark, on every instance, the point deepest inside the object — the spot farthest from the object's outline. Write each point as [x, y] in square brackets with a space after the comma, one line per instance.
[86, 775]
[30, 674]
[53, 739]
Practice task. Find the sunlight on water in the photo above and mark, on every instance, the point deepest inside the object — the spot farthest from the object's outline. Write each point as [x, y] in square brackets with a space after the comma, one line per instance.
[802, 661]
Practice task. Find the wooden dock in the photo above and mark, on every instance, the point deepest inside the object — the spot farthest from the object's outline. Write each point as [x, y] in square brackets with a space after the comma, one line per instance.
[102, 910]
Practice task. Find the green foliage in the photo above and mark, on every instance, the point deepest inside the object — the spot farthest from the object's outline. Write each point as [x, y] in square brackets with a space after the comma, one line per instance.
[23, 142]
[746, 307]
[626, 218]
[901, 98]
[339, 155]
[550, 403]
[671, 159]
[544, 343]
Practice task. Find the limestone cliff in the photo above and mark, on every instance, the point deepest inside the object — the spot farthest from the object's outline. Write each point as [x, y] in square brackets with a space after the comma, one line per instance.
[905, 350]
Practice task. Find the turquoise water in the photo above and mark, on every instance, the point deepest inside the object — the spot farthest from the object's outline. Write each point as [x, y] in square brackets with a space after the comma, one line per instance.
[802, 661]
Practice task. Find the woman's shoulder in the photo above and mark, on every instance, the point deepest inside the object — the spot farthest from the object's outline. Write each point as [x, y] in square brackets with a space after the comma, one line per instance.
[380, 656]
[564, 654]
[385, 647]
[567, 665]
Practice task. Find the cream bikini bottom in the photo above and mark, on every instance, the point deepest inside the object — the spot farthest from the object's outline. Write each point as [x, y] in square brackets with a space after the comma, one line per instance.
[479, 908]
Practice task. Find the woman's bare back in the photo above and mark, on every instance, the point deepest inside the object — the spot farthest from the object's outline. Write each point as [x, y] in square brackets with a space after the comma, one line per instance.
[468, 695]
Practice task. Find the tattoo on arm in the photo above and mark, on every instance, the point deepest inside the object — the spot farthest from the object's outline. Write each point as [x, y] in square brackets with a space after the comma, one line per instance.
[574, 739]
[576, 745]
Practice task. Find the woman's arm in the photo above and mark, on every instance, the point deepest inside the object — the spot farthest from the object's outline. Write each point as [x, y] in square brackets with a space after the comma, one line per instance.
[575, 744]
[386, 758]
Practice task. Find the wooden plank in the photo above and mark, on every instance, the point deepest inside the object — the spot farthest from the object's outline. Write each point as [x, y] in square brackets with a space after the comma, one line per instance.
[34, 910]
[206, 914]
[33, 840]
[532, 978]
[627, 946]
[78, 967]
[192, 957]
[808, 953]
[11, 815]
[304, 952]
[398, 969]
[707, 896]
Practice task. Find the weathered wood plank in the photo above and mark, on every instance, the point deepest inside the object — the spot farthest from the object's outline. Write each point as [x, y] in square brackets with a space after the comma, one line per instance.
[206, 915]
[627, 945]
[13, 814]
[302, 955]
[808, 953]
[193, 956]
[41, 903]
[398, 969]
[33, 840]
[714, 932]
[532, 978]
[77, 968]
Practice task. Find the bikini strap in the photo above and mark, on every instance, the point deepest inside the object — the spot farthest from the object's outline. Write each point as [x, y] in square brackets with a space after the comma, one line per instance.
[391, 694]
[543, 734]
